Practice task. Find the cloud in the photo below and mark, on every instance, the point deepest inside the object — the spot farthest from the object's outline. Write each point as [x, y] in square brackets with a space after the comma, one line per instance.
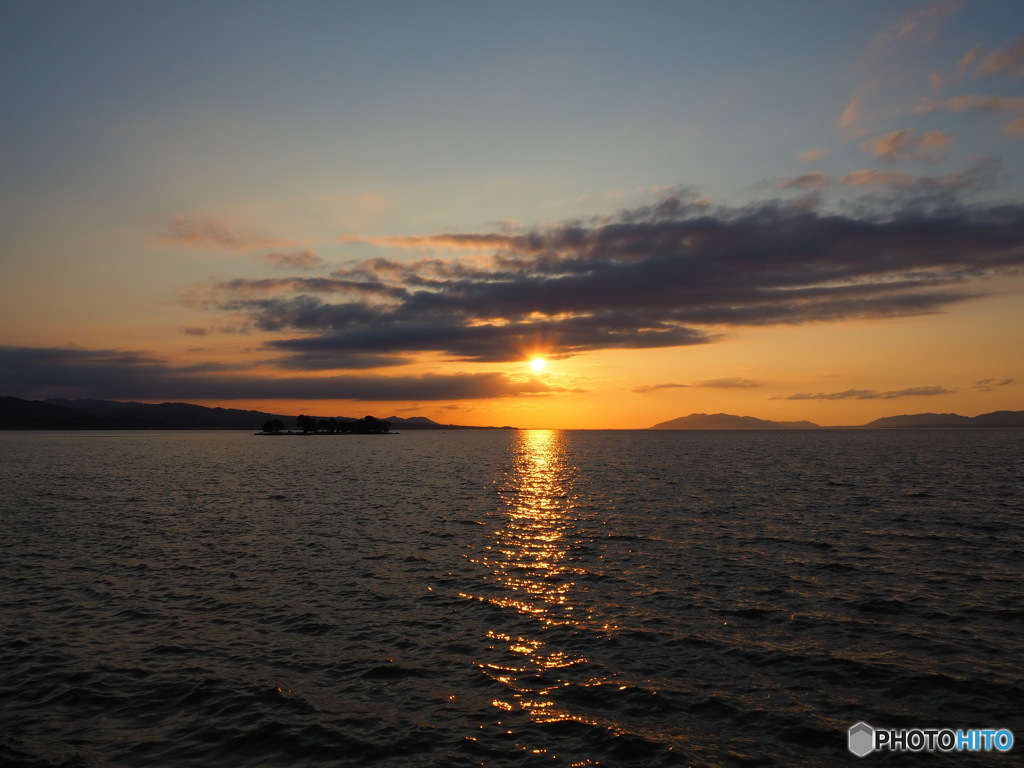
[987, 385]
[1002, 61]
[849, 116]
[305, 259]
[670, 274]
[213, 234]
[980, 104]
[888, 66]
[805, 181]
[432, 331]
[1015, 127]
[972, 103]
[40, 373]
[812, 155]
[466, 242]
[726, 383]
[982, 174]
[645, 388]
[907, 144]
[869, 394]
[923, 22]
[333, 360]
[868, 177]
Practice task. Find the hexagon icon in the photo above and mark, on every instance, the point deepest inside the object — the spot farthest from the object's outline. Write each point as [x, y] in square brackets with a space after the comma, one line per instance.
[861, 739]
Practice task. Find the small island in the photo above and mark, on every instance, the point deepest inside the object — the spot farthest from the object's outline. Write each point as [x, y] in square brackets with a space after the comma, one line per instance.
[310, 425]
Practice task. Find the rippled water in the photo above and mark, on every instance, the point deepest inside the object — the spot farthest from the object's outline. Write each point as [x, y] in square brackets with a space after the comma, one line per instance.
[506, 598]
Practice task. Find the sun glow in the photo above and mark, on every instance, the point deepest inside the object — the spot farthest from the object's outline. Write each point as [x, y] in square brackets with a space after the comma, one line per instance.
[538, 363]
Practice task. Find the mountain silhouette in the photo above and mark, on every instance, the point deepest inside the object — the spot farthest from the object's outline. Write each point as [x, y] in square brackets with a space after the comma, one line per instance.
[58, 413]
[728, 421]
[912, 421]
[994, 419]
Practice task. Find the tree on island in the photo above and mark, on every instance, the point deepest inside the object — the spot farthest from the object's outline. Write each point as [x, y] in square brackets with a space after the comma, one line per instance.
[368, 425]
[272, 426]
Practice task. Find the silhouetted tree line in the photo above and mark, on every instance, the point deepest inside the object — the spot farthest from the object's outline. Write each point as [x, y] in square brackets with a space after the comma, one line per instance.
[367, 425]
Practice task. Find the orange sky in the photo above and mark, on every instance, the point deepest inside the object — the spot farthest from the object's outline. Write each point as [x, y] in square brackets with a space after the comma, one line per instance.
[820, 223]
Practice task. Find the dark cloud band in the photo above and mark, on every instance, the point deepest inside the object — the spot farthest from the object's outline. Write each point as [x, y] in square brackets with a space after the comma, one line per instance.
[666, 275]
[43, 373]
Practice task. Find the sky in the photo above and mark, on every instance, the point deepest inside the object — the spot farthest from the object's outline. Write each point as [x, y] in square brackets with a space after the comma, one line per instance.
[790, 210]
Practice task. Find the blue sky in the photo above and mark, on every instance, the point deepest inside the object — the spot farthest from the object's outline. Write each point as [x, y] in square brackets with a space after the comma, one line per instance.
[154, 151]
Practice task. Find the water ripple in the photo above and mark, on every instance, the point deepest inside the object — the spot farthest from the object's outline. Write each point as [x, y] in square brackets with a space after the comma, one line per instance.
[504, 598]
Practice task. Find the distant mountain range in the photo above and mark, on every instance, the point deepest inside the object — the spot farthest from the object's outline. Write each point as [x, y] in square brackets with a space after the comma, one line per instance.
[16, 413]
[913, 421]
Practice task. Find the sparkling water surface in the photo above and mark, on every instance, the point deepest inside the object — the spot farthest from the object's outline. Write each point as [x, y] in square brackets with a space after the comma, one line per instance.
[506, 598]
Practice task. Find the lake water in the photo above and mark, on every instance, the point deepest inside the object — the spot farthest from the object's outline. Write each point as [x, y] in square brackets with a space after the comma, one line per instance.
[506, 598]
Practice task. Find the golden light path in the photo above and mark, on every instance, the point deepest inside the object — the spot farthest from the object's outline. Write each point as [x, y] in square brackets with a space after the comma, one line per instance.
[534, 565]
[532, 549]
[529, 559]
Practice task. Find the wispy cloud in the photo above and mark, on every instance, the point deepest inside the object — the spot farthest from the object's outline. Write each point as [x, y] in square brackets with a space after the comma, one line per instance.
[979, 62]
[908, 144]
[304, 259]
[923, 22]
[982, 174]
[869, 177]
[214, 234]
[980, 104]
[987, 385]
[1015, 127]
[869, 394]
[728, 383]
[849, 116]
[972, 103]
[644, 388]
[1002, 61]
[888, 66]
[464, 242]
[723, 383]
[805, 181]
[812, 155]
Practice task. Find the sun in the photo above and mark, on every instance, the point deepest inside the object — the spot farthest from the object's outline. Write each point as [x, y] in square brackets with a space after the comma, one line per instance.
[538, 364]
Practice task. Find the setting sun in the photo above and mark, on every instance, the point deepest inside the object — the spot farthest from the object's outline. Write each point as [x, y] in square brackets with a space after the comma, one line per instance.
[538, 363]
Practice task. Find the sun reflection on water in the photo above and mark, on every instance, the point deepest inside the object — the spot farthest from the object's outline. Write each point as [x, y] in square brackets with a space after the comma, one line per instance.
[530, 559]
[530, 555]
